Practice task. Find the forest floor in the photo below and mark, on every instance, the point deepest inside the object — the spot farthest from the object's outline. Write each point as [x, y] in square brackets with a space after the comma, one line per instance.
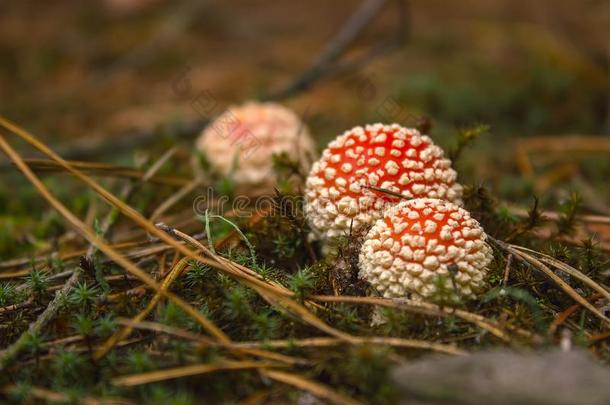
[255, 314]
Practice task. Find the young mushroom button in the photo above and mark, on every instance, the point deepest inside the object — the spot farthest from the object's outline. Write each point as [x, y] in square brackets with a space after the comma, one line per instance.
[240, 144]
[353, 182]
[423, 245]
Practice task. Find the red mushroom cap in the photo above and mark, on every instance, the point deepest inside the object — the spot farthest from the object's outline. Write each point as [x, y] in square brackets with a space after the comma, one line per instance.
[419, 240]
[342, 189]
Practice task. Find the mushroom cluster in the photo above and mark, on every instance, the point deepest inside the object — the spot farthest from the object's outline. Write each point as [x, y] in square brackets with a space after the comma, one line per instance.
[423, 245]
[393, 179]
[354, 181]
[241, 142]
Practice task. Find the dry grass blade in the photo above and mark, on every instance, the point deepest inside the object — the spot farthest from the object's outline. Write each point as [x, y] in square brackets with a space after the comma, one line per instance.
[527, 258]
[315, 388]
[257, 398]
[205, 342]
[306, 316]
[175, 197]
[13, 350]
[246, 275]
[52, 396]
[566, 144]
[14, 274]
[568, 269]
[104, 247]
[161, 328]
[428, 309]
[236, 268]
[286, 344]
[369, 340]
[105, 170]
[186, 371]
[275, 294]
[67, 287]
[599, 337]
[16, 263]
[176, 271]
[561, 318]
[329, 55]
[125, 332]
[590, 219]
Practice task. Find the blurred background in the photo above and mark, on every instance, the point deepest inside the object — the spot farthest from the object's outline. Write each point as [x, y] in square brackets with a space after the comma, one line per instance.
[98, 80]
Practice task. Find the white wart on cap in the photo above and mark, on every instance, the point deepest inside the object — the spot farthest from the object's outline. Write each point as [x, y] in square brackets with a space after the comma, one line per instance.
[390, 157]
[421, 245]
[241, 142]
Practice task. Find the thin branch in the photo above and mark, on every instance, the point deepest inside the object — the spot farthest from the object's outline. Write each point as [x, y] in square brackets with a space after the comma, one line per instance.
[350, 31]
[93, 147]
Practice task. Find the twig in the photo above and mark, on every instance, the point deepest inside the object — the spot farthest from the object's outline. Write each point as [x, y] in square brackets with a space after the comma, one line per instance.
[15, 307]
[208, 232]
[566, 144]
[402, 34]
[93, 147]
[168, 31]
[350, 31]
[388, 192]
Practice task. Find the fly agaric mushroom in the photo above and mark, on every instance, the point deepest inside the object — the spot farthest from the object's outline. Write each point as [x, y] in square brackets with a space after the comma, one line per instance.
[421, 245]
[353, 182]
[241, 142]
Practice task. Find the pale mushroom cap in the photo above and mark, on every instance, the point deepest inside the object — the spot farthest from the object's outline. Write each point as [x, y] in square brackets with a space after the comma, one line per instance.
[390, 157]
[241, 142]
[417, 241]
